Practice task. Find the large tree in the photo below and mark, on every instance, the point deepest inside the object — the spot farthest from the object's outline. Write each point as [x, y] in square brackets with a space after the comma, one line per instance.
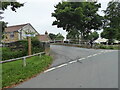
[111, 28]
[80, 16]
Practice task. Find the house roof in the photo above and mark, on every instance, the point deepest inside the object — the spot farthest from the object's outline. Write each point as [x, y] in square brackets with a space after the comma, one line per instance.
[44, 38]
[14, 28]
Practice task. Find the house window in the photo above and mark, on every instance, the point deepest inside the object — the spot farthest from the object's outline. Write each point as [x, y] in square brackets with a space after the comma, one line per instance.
[11, 35]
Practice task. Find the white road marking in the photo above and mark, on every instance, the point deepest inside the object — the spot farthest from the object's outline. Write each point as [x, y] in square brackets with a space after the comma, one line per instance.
[73, 61]
[89, 56]
[62, 65]
[94, 54]
[49, 70]
[81, 59]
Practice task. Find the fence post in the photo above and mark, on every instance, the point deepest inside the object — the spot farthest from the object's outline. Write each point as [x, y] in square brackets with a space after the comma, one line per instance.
[40, 55]
[24, 61]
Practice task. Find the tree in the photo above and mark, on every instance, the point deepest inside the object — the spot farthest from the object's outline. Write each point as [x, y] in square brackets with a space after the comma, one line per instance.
[3, 6]
[52, 36]
[59, 37]
[109, 33]
[3, 24]
[56, 36]
[73, 35]
[93, 36]
[13, 5]
[80, 16]
[111, 28]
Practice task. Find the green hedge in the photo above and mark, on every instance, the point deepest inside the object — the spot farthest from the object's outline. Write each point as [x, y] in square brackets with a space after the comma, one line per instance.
[20, 48]
[115, 47]
[7, 53]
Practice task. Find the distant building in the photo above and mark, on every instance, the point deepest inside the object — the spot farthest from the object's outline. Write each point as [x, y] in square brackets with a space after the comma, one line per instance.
[101, 40]
[105, 41]
[18, 32]
[44, 38]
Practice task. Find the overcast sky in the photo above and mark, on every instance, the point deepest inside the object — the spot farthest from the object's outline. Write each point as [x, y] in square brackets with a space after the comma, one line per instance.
[38, 13]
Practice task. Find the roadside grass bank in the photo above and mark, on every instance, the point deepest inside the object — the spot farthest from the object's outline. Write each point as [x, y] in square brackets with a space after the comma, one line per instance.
[100, 46]
[14, 72]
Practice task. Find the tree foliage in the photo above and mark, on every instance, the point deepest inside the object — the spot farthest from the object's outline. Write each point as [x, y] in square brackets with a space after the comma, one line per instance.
[73, 34]
[59, 37]
[93, 36]
[13, 5]
[80, 16]
[4, 6]
[52, 36]
[112, 21]
[56, 36]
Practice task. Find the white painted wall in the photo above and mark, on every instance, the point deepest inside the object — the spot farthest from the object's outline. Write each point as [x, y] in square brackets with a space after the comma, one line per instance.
[27, 28]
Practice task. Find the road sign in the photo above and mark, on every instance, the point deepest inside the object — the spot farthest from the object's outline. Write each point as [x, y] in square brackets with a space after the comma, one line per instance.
[30, 35]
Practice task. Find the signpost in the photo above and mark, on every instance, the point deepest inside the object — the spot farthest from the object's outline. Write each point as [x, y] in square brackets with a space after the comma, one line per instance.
[29, 43]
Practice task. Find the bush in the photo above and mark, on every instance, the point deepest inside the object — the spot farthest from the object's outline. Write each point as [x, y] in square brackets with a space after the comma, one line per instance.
[37, 46]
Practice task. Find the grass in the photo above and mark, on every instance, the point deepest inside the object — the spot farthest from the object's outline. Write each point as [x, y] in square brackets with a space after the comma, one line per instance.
[14, 72]
[0, 75]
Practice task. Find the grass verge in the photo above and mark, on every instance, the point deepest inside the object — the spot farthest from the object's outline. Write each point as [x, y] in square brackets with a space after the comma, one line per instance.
[112, 47]
[14, 72]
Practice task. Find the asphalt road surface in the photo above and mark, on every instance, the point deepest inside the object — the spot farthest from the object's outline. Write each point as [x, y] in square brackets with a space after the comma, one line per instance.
[78, 68]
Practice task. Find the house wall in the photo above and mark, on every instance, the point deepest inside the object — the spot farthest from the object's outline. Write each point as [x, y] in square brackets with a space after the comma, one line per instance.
[27, 28]
[8, 39]
[17, 36]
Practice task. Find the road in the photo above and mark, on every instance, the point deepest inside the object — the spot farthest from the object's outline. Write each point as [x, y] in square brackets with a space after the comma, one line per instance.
[78, 68]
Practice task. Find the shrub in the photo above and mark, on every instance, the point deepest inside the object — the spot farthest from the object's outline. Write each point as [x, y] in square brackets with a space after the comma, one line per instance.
[37, 46]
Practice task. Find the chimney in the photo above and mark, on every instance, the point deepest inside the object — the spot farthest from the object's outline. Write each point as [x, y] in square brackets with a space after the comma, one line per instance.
[46, 33]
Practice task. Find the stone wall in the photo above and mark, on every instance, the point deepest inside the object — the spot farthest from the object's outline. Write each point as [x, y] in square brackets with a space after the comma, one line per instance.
[8, 39]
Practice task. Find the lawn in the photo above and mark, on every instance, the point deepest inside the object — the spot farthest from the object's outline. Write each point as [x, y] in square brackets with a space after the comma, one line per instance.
[14, 72]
